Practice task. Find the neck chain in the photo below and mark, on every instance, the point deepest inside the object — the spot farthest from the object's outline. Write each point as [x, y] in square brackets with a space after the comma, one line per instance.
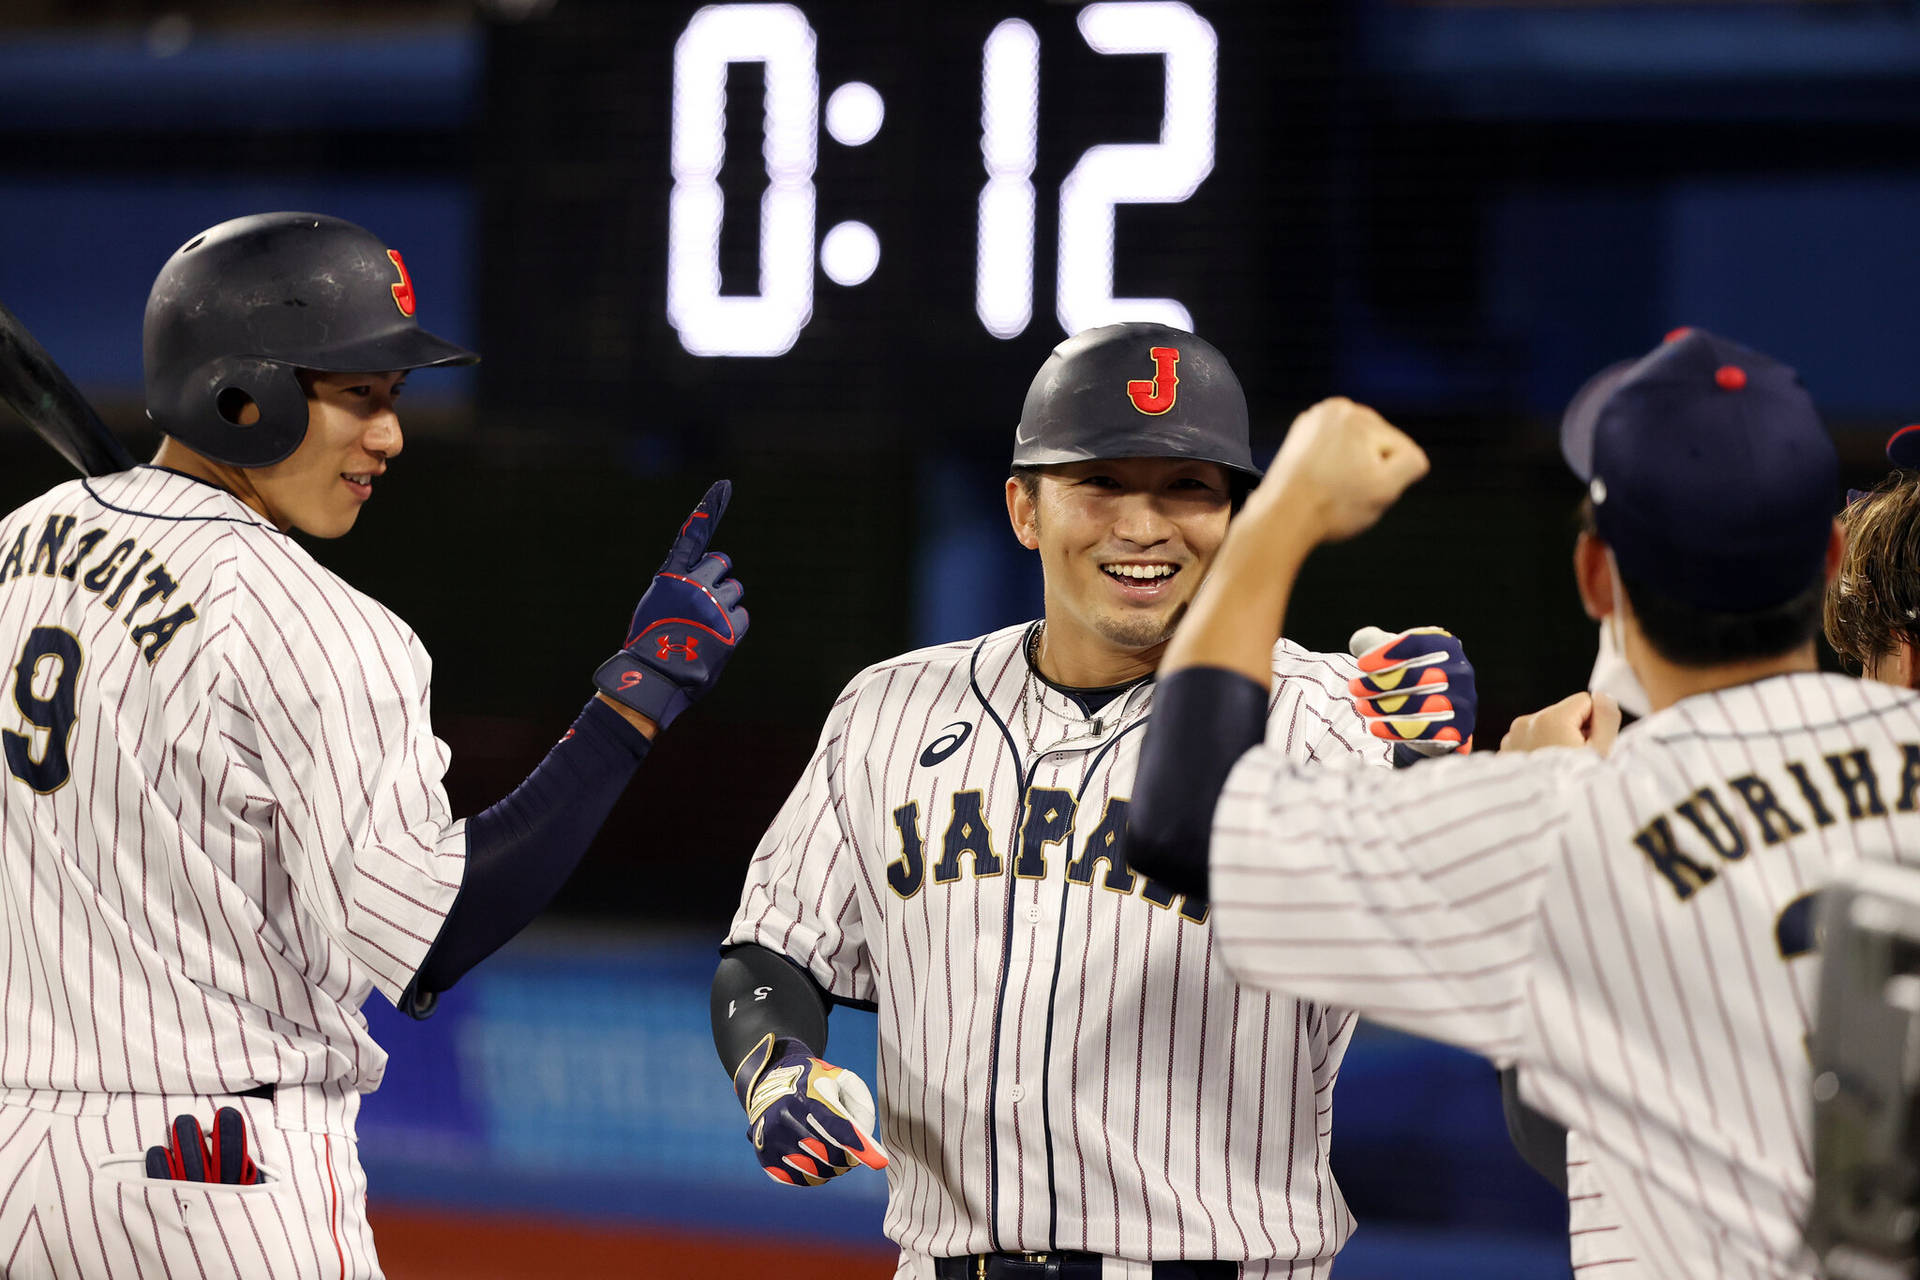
[1029, 692]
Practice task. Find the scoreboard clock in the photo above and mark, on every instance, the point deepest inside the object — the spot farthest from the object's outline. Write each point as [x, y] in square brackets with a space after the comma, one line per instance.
[900, 207]
[1104, 178]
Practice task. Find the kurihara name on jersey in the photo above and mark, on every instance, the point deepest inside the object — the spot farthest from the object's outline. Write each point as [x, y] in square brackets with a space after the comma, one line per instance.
[56, 553]
[1782, 802]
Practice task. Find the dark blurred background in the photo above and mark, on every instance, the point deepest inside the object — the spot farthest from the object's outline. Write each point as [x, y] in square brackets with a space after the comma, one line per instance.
[1453, 210]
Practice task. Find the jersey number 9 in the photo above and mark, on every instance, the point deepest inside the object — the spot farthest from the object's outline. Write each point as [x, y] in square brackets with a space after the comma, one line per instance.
[53, 712]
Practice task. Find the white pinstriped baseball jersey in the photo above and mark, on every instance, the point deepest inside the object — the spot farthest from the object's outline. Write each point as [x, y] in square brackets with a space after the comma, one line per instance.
[1063, 1063]
[222, 822]
[1634, 931]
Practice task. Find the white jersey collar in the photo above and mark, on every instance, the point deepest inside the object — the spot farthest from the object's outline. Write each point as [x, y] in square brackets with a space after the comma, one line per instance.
[1799, 699]
[165, 494]
[1039, 717]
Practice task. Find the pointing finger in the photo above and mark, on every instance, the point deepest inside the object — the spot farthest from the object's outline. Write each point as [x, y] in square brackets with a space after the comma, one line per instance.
[694, 535]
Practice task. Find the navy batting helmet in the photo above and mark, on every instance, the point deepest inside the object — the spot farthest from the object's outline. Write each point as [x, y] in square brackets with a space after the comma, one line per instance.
[1134, 390]
[241, 306]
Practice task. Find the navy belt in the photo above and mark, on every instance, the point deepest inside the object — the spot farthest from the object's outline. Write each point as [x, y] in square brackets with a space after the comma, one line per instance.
[1068, 1266]
[258, 1091]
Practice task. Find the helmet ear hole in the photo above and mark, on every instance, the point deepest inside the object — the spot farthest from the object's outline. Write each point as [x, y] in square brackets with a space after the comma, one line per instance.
[237, 407]
[240, 410]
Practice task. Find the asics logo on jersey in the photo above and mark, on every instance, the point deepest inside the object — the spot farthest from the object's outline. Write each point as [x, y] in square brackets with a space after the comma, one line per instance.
[688, 650]
[946, 744]
[1157, 396]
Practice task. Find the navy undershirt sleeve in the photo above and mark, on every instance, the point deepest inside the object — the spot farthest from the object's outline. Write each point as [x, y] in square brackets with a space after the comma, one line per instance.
[520, 851]
[1204, 720]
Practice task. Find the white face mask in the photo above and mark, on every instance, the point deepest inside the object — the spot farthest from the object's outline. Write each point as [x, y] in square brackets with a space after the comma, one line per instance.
[1611, 674]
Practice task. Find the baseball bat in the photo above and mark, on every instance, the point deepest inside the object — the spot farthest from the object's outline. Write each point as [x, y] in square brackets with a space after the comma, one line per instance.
[46, 398]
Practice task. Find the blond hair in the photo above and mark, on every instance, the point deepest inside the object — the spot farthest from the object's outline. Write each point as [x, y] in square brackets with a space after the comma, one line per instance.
[1873, 602]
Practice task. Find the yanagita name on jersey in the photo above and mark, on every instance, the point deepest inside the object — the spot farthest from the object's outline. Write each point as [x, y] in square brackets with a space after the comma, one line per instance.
[1048, 818]
[111, 574]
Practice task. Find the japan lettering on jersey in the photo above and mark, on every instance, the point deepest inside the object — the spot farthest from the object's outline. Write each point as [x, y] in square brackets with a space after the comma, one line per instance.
[224, 822]
[1635, 932]
[1063, 1064]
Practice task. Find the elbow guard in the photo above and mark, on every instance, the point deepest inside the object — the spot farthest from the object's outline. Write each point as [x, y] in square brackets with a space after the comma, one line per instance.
[756, 992]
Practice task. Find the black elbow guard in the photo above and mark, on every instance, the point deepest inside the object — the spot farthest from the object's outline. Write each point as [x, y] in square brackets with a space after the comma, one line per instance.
[757, 991]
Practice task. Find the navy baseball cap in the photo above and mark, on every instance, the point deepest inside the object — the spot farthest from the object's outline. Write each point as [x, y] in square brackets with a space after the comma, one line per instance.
[1712, 478]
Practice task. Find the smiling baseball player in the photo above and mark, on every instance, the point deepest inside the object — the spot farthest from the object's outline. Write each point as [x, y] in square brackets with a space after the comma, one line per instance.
[222, 822]
[1069, 1083]
[1629, 921]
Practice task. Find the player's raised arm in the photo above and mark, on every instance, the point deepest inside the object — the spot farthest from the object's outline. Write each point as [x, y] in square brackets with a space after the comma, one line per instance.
[521, 850]
[1342, 465]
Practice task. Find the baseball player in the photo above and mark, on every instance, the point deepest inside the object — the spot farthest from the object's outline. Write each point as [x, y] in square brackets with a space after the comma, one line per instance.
[1625, 915]
[222, 822]
[1872, 611]
[1069, 1083]
[1866, 1196]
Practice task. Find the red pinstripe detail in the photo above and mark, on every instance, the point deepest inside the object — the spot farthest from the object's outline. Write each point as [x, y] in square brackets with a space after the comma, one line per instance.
[333, 1208]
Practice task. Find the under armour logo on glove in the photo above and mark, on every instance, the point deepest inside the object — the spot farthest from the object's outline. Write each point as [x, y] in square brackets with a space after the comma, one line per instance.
[686, 625]
[1415, 689]
[190, 1157]
[809, 1120]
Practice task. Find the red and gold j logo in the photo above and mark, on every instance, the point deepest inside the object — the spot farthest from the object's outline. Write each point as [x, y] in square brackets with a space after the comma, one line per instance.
[1157, 396]
[402, 292]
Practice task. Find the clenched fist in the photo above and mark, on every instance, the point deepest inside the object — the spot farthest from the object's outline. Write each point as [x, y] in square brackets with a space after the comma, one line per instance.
[1343, 465]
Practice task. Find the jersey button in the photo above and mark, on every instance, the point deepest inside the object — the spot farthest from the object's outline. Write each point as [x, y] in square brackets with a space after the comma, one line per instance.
[1016, 1093]
[1033, 913]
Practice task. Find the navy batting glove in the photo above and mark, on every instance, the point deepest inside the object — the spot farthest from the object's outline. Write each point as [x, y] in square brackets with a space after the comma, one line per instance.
[190, 1157]
[809, 1120]
[1416, 690]
[686, 625]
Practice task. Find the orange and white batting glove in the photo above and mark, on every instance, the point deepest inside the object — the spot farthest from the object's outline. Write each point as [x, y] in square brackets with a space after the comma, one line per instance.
[1415, 689]
[809, 1120]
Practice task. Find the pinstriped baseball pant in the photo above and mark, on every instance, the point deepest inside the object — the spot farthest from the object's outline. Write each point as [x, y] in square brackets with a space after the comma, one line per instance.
[76, 1204]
